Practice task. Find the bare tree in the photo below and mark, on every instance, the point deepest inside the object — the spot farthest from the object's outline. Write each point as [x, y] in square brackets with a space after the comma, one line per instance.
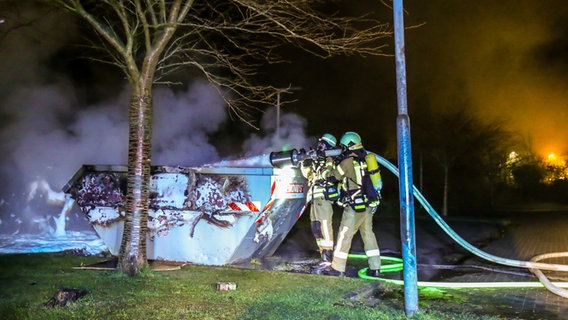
[226, 41]
[457, 138]
[494, 145]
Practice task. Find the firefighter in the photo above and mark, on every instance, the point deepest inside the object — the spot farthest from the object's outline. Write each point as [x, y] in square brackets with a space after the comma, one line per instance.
[358, 208]
[321, 195]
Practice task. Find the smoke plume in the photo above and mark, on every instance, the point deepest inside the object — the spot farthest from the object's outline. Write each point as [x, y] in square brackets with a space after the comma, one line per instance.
[49, 129]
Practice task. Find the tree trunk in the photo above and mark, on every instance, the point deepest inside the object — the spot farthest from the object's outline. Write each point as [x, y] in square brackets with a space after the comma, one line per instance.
[132, 256]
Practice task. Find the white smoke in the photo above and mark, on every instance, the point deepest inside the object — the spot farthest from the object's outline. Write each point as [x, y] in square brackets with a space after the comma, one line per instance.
[291, 134]
[182, 124]
[50, 134]
[44, 147]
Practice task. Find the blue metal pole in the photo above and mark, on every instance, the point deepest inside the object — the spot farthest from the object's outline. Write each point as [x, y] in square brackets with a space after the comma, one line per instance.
[407, 227]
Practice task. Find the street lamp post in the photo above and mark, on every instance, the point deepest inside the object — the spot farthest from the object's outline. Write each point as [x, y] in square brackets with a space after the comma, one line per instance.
[407, 225]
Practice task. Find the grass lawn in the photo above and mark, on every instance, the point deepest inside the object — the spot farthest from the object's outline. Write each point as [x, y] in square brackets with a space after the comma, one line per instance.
[28, 281]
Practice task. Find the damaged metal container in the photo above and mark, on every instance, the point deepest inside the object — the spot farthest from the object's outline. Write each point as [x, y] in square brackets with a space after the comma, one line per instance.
[204, 215]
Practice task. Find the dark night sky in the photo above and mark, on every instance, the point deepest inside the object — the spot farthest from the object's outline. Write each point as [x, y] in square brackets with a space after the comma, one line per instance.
[500, 59]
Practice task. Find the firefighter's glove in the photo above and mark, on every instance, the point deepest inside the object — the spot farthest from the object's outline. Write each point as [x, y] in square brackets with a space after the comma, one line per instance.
[320, 153]
[307, 163]
[331, 179]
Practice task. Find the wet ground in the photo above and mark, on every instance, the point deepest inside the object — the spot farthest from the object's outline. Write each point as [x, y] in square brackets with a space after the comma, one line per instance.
[434, 248]
[441, 259]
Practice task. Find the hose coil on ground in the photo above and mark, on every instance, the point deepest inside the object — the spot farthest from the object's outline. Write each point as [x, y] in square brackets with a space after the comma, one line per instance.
[534, 265]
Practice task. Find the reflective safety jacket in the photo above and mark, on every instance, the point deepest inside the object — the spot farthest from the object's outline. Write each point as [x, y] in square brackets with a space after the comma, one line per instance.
[350, 173]
[314, 171]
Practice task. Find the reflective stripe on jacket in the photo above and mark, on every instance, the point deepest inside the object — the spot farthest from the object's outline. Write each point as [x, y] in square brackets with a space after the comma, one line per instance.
[349, 172]
[314, 174]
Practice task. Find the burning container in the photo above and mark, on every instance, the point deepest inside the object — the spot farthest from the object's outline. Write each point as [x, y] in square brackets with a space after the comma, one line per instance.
[203, 215]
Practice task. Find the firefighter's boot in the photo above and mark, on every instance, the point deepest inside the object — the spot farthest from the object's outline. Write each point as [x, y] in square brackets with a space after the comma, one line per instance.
[326, 256]
[325, 262]
[375, 273]
[329, 271]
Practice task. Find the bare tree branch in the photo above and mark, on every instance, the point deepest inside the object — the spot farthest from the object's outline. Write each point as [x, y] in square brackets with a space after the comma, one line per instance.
[226, 40]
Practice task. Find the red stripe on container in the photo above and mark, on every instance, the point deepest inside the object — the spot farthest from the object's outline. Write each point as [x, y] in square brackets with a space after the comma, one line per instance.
[234, 206]
[252, 207]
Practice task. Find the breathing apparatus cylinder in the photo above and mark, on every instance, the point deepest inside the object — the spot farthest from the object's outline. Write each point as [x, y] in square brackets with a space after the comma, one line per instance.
[374, 172]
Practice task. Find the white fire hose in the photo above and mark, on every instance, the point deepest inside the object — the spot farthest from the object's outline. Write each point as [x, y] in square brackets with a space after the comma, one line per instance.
[534, 265]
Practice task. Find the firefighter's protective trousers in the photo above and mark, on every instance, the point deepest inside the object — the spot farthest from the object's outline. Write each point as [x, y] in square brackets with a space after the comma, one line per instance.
[351, 222]
[321, 214]
[321, 210]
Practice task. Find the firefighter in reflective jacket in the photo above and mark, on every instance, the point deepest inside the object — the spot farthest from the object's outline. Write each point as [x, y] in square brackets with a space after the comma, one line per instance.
[358, 210]
[321, 195]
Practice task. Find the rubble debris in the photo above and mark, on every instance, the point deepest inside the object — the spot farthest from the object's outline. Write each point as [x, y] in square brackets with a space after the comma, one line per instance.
[226, 286]
[65, 295]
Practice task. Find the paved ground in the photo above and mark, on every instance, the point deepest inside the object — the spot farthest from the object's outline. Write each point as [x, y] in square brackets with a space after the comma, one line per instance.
[528, 235]
[519, 236]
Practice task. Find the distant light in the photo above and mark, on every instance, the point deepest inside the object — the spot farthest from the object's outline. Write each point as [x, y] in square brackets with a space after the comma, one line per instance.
[512, 158]
[551, 157]
[2, 20]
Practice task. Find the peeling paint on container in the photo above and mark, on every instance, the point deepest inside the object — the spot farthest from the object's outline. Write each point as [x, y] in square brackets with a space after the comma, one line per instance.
[203, 215]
